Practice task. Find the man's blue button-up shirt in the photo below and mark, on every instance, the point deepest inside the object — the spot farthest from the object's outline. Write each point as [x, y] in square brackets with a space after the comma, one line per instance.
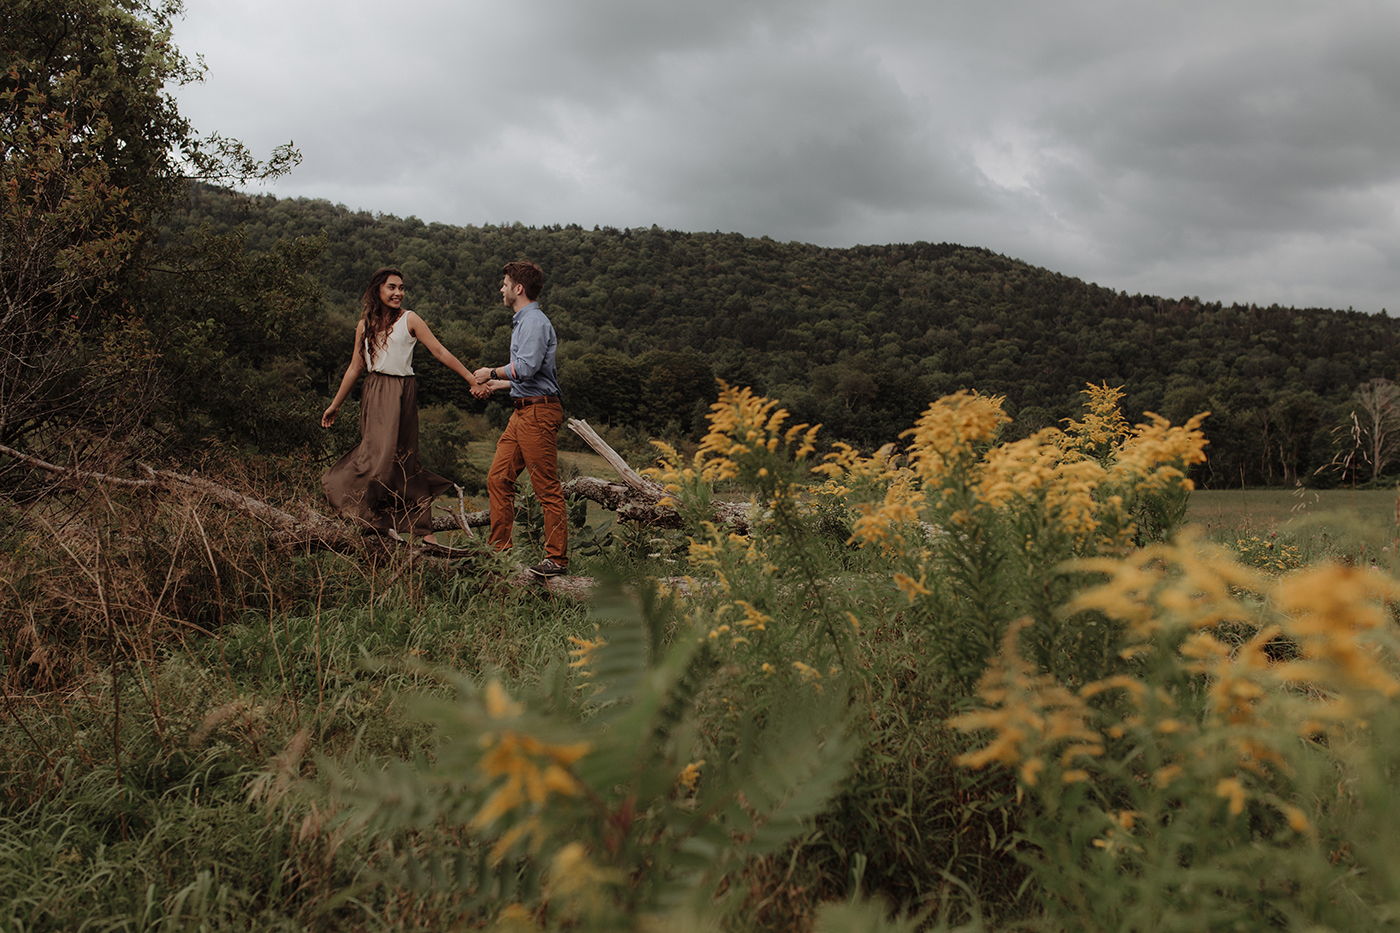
[532, 350]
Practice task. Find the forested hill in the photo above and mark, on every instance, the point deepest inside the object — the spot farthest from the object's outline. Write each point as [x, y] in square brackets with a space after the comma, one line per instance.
[860, 339]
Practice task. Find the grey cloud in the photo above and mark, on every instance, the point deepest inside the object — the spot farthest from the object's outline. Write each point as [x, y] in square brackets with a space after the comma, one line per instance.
[788, 148]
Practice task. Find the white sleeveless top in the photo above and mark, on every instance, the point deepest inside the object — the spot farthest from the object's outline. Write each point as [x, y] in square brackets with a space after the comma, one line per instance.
[395, 358]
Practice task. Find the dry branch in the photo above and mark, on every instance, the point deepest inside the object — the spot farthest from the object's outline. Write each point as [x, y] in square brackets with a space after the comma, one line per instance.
[640, 499]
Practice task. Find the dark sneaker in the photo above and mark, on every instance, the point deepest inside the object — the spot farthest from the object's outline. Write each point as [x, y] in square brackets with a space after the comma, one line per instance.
[546, 569]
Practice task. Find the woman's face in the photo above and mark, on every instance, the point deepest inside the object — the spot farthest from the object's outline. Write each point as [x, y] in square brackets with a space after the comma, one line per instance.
[391, 292]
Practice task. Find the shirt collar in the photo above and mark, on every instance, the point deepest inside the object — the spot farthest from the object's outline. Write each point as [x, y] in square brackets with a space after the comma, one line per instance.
[516, 315]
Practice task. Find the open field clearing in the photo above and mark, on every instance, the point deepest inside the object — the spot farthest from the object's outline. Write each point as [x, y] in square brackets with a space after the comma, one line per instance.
[1279, 509]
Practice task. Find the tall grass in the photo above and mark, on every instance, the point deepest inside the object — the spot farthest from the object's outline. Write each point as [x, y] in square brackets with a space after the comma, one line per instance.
[160, 660]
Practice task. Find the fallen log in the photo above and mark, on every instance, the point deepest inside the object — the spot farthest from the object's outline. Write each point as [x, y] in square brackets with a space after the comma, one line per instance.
[312, 529]
[634, 499]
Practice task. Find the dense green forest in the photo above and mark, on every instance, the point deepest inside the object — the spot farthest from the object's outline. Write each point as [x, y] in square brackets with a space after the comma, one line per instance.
[859, 339]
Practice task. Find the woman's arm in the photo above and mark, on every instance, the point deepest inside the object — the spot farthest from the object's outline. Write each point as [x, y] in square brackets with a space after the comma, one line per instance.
[347, 382]
[424, 335]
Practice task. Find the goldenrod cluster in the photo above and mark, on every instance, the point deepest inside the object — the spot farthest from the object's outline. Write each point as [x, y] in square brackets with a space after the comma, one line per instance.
[1041, 469]
[690, 776]
[575, 882]
[1032, 716]
[1188, 608]
[743, 424]
[1272, 555]
[1148, 458]
[1074, 482]
[884, 524]
[1103, 427]
[1335, 613]
[950, 430]
[582, 653]
[718, 551]
[532, 769]
[669, 473]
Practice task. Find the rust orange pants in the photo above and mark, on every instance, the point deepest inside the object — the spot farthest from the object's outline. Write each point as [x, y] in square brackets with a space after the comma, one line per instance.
[530, 442]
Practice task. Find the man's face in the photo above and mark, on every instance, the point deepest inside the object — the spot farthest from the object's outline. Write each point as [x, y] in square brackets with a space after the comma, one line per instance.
[508, 291]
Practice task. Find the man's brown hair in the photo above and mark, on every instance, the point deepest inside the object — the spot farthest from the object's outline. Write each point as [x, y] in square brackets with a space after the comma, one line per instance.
[526, 273]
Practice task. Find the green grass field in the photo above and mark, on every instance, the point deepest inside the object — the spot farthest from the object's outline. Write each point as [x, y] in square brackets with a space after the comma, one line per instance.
[1278, 509]
[1305, 525]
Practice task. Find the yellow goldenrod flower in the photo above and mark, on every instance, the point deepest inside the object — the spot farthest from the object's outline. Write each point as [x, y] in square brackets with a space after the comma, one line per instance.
[947, 432]
[1164, 775]
[499, 705]
[1080, 750]
[1027, 712]
[910, 587]
[1148, 458]
[690, 776]
[845, 460]
[1103, 425]
[753, 620]
[1189, 583]
[1114, 840]
[1019, 470]
[1234, 791]
[1297, 819]
[514, 918]
[582, 652]
[739, 413]
[576, 880]
[532, 768]
[1132, 685]
[884, 524]
[1331, 610]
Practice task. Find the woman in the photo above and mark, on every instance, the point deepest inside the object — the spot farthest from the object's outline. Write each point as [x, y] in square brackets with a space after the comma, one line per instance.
[381, 482]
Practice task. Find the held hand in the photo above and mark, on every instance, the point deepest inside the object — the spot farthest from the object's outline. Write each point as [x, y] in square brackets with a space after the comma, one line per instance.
[481, 390]
[483, 374]
[328, 416]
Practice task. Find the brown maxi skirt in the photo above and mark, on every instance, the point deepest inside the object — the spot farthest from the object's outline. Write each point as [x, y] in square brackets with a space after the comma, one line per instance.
[380, 482]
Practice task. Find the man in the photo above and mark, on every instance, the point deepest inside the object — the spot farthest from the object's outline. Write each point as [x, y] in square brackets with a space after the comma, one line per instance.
[530, 440]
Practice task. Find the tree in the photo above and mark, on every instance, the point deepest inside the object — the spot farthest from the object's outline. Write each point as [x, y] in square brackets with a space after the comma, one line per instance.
[1378, 410]
[94, 149]
[673, 385]
[1296, 417]
[603, 388]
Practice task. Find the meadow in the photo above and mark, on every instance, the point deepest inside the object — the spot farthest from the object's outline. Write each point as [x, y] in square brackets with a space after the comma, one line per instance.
[951, 684]
[1289, 509]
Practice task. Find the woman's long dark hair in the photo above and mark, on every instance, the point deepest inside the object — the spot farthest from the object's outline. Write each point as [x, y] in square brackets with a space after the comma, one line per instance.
[379, 318]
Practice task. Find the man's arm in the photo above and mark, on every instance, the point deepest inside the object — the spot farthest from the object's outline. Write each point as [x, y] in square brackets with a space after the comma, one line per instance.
[528, 356]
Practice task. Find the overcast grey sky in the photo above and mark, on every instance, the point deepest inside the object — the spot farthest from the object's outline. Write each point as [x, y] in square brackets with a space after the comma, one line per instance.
[1238, 150]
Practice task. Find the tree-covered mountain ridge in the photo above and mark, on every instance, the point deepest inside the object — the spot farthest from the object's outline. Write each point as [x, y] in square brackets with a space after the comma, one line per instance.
[860, 339]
